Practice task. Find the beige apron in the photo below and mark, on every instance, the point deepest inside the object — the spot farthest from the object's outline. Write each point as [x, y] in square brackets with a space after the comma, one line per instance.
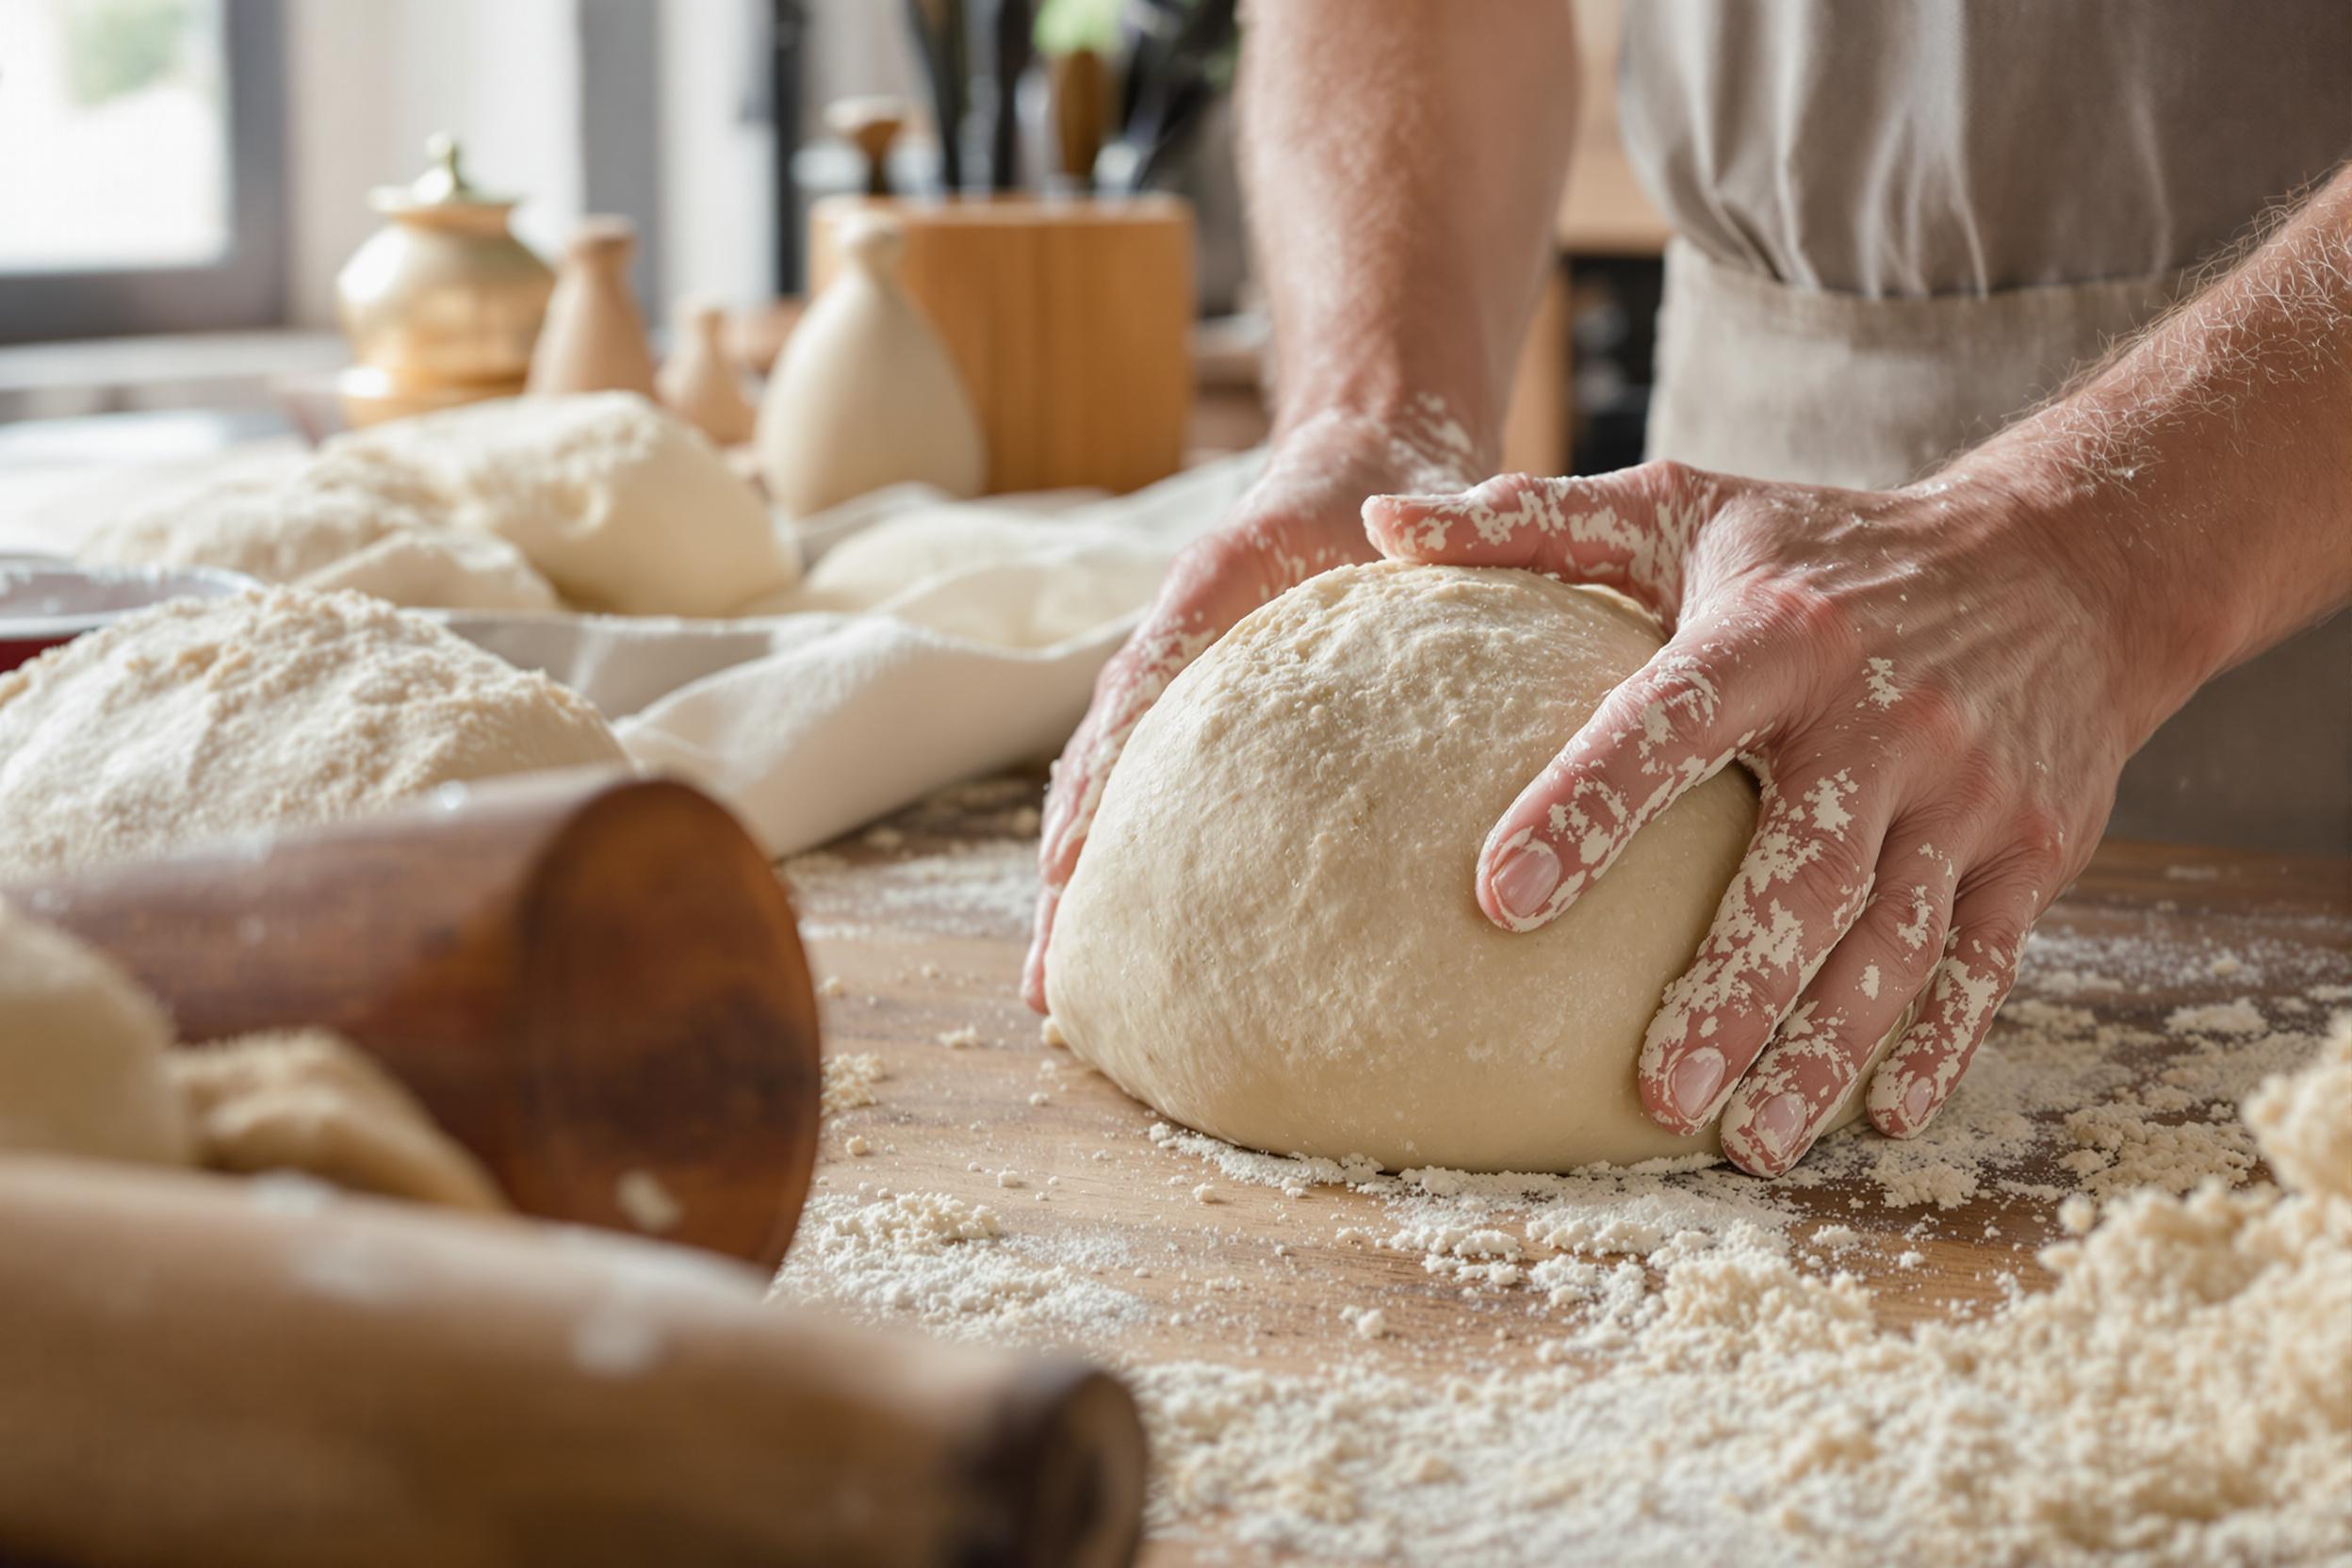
[1758, 378]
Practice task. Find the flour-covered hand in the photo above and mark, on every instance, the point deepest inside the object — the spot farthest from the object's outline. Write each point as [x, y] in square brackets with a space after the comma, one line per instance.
[1925, 684]
[1302, 516]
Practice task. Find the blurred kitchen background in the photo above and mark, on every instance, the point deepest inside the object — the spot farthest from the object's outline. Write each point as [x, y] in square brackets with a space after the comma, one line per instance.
[182, 180]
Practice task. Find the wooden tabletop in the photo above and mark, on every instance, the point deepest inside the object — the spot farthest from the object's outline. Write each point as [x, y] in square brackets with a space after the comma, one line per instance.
[916, 930]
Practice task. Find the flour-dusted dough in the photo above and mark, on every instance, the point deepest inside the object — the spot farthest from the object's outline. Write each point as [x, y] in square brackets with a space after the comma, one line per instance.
[1272, 936]
[81, 1054]
[622, 506]
[195, 720]
[325, 521]
[309, 1099]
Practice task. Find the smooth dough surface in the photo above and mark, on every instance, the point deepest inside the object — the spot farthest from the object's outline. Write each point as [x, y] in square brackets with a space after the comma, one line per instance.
[81, 1054]
[196, 720]
[1272, 936]
[620, 505]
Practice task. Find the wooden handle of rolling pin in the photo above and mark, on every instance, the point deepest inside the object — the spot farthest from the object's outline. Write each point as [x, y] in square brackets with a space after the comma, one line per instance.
[198, 1370]
[587, 978]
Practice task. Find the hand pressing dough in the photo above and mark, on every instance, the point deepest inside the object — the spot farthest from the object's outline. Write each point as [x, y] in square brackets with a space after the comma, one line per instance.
[311, 1101]
[81, 1054]
[1272, 937]
[193, 720]
[326, 521]
[622, 506]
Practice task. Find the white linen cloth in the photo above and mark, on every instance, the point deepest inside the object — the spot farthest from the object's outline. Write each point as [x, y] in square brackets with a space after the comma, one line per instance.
[810, 721]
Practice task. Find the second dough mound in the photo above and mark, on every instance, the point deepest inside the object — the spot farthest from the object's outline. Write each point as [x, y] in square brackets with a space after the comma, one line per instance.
[1272, 934]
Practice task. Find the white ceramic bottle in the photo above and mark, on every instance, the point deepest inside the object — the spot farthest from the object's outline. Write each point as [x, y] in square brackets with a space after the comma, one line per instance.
[864, 394]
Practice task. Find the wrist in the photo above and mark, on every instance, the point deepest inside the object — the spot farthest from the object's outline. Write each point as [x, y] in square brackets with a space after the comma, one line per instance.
[1411, 443]
[2165, 620]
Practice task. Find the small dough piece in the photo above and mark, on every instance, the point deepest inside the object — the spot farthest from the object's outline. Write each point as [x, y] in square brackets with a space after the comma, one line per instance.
[1272, 934]
[622, 506]
[275, 709]
[308, 1100]
[328, 521]
[81, 1054]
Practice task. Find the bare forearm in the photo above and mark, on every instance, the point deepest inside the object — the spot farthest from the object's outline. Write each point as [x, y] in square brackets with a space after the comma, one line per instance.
[2208, 470]
[1403, 160]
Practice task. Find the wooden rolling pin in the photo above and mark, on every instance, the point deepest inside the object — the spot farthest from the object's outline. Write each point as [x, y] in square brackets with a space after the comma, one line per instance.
[592, 981]
[202, 1370]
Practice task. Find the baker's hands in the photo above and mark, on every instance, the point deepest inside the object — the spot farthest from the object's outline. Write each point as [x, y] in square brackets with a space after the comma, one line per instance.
[1302, 516]
[1932, 685]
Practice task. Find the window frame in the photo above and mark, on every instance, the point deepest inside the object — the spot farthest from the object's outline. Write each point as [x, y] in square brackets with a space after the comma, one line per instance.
[244, 288]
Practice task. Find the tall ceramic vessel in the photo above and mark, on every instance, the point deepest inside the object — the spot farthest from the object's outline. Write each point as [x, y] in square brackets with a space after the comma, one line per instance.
[595, 337]
[864, 395]
[698, 381]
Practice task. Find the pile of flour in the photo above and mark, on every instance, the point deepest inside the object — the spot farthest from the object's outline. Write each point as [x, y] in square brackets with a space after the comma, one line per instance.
[197, 720]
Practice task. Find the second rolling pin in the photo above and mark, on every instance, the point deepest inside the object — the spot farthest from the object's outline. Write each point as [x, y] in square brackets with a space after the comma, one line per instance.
[202, 1370]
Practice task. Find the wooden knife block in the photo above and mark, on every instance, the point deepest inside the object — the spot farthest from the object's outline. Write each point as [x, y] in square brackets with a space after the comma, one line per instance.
[1069, 319]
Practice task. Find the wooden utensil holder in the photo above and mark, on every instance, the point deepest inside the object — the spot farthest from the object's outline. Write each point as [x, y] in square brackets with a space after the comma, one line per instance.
[1069, 319]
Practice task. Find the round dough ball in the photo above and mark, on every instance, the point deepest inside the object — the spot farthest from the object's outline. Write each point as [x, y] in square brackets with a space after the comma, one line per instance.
[334, 520]
[81, 1054]
[1272, 934]
[620, 505]
[199, 719]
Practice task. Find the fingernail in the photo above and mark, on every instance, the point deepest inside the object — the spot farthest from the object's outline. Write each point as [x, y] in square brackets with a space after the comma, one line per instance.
[1524, 882]
[1919, 1098]
[1780, 1123]
[1695, 1079]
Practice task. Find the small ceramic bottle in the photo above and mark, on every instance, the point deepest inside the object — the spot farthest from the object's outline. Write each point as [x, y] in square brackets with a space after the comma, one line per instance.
[595, 336]
[864, 394]
[698, 381]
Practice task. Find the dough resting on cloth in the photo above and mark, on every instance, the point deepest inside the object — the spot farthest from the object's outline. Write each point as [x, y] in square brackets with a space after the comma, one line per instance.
[197, 720]
[332, 520]
[1272, 934]
[81, 1054]
[621, 506]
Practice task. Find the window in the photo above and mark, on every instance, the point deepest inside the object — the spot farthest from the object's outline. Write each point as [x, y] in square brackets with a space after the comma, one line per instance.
[141, 187]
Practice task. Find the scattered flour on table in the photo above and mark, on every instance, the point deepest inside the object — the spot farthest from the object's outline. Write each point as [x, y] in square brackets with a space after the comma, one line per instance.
[848, 1080]
[981, 882]
[1711, 1371]
[949, 1265]
[2179, 1397]
[976, 888]
[2221, 1018]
